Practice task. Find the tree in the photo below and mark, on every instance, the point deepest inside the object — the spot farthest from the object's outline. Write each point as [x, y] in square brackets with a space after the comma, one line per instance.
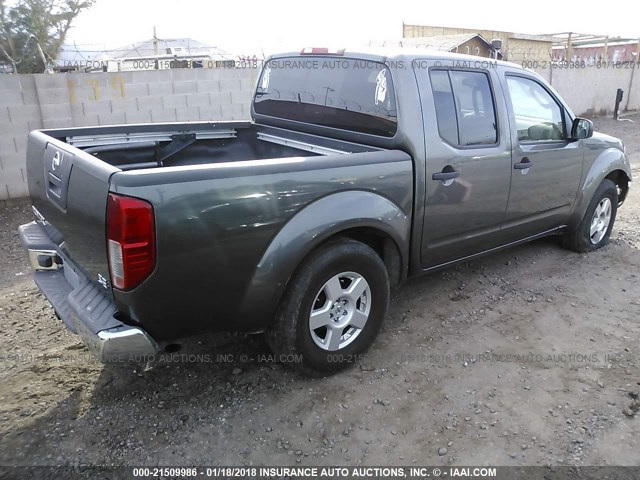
[33, 31]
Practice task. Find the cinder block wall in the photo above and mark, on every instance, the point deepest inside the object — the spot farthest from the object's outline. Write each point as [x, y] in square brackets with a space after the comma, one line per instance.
[591, 91]
[19, 113]
[29, 102]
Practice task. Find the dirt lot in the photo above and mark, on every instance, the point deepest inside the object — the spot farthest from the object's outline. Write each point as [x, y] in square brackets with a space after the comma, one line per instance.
[527, 357]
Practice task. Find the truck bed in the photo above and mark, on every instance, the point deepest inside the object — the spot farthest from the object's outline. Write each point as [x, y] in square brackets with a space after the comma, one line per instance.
[133, 147]
[219, 192]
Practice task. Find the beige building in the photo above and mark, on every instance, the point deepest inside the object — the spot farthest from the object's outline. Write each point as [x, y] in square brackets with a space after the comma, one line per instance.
[516, 47]
[466, 43]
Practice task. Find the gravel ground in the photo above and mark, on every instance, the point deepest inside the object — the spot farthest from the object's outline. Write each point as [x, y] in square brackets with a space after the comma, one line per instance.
[527, 357]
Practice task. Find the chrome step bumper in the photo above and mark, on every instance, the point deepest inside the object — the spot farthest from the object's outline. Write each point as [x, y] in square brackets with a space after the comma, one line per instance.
[80, 304]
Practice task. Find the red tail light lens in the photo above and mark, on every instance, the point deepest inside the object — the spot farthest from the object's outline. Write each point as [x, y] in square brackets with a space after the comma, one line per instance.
[131, 241]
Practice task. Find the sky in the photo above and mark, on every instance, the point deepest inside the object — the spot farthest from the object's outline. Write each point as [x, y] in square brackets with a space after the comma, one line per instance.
[245, 27]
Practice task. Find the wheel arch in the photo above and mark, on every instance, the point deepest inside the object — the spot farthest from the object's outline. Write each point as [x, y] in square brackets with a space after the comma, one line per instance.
[622, 180]
[360, 215]
[383, 244]
[611, 164]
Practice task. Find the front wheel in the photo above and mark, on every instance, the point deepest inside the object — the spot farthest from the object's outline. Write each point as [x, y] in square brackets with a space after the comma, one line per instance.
[595, 228]
[332, 309]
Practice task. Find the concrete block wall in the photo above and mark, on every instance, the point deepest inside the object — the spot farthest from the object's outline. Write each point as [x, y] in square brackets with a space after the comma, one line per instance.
[29, 102]
[591, 91]
[19, 113]
[160, 96]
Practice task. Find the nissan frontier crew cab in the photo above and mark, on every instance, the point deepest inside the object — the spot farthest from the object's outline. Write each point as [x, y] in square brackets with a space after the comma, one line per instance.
[359, 169]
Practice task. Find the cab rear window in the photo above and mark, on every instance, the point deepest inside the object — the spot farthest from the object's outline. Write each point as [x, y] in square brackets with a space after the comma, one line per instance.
[349, 94]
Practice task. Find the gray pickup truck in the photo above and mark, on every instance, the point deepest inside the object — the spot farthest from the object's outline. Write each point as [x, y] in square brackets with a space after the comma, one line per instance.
[358, 170]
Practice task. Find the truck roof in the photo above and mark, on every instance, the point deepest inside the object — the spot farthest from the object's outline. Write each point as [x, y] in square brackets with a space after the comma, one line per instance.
[382, 54]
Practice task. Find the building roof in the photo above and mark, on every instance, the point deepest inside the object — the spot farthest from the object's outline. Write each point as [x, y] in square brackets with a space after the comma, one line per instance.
[73, 56]
[164, 48]
[584, 39]
[598, 44]
[609, 44]
[444, 43]
[499, 33]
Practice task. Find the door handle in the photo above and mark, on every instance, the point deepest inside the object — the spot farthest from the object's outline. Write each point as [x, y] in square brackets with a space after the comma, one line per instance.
[444, 176]
[524, 164]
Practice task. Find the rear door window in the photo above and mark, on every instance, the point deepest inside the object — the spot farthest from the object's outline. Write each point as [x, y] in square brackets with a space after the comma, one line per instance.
[464, 107]
[349, 94]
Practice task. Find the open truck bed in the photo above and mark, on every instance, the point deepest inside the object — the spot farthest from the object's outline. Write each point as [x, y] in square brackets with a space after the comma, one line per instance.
[217, 194]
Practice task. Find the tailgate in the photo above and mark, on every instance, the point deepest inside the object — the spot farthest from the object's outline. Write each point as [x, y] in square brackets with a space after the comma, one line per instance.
[69, 190]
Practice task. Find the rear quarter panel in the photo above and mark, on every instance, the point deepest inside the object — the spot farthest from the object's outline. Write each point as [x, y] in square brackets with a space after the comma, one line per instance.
[216, 222]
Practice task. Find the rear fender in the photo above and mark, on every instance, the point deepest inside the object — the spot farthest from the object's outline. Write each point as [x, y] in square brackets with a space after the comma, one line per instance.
[309, 228]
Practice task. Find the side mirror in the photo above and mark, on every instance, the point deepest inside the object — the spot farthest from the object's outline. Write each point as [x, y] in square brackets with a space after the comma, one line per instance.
[581, 128]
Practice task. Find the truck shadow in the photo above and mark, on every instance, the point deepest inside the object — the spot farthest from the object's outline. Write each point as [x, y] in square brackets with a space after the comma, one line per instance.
[232, 358]
[238, 360]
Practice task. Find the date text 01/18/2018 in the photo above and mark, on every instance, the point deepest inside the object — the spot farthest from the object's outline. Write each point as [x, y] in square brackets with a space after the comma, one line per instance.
[568, 65]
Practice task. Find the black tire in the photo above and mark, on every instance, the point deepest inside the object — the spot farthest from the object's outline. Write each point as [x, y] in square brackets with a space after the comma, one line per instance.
[290, 337]
[579, 240]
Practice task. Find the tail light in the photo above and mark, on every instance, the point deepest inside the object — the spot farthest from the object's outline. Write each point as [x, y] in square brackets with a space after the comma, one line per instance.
[131, 241]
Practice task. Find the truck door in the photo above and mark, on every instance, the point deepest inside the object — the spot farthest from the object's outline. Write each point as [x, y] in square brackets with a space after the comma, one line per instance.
[547, 167]
[468, 161]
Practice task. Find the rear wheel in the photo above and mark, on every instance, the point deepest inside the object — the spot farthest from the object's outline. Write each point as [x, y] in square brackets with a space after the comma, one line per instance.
[333, 308]
[595, 228]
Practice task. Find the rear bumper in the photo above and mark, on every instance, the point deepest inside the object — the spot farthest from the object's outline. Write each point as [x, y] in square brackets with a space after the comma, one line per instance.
[80, 304]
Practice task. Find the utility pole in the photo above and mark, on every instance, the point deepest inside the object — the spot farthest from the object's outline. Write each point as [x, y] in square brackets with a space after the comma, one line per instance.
[637, 64]
[155, 47]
